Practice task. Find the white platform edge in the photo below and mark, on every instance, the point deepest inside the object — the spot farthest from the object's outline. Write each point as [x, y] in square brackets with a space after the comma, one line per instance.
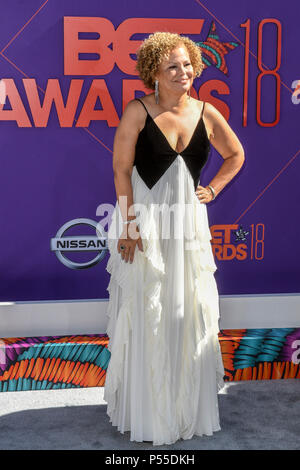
[53, 318]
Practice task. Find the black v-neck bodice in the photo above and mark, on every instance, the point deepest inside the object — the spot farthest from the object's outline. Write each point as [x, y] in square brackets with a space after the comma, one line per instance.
[154, 155]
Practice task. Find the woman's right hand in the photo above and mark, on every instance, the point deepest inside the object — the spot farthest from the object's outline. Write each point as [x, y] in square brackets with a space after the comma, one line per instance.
[129, 243]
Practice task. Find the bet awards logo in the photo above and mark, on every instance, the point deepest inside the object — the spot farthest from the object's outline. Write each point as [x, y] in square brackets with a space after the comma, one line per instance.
[61, 244]
[246, 244]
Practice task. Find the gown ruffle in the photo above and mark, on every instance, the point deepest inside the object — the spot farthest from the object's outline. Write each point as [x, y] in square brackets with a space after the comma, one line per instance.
[166, 367]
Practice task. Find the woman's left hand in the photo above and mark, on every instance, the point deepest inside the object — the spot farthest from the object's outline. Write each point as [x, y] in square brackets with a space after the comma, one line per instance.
[204, 194]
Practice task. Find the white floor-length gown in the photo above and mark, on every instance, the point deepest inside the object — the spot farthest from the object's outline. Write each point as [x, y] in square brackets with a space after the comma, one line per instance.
[166, 367]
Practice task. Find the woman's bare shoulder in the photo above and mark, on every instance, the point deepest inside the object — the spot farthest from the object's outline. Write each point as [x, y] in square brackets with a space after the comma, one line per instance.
[212, 113]
[212, 118]
[133, 117]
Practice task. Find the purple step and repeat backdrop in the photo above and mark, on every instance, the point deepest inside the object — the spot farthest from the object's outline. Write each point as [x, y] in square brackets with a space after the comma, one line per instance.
[68, 71]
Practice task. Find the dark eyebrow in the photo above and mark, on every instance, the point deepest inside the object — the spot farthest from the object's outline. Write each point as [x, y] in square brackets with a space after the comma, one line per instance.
[173, 62]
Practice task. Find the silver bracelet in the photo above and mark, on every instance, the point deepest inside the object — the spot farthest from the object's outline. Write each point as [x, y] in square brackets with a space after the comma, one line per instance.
[128, 221]
[212, 190]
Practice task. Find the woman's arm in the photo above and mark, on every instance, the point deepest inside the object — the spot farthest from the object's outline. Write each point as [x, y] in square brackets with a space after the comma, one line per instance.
[227, 144]
[123, 156]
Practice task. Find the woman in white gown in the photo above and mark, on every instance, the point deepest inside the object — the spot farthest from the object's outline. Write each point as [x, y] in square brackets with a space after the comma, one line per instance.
[166, 368]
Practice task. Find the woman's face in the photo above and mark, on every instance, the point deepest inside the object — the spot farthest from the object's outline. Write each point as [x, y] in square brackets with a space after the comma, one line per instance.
[176, 73]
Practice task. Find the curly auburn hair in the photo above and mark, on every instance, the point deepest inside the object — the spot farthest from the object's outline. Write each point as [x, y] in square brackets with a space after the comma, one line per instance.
[157, 47]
